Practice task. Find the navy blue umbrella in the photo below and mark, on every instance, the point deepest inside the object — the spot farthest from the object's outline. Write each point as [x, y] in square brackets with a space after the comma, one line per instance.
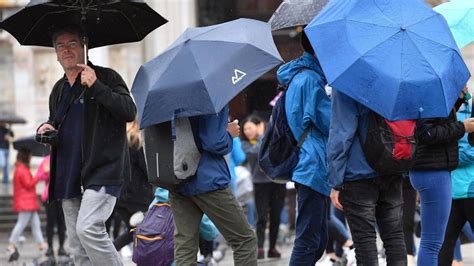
[203, 70]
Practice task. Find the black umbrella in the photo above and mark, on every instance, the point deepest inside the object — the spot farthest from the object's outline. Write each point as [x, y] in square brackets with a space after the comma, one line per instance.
[29, 143]
[105, 22]
[11, 119]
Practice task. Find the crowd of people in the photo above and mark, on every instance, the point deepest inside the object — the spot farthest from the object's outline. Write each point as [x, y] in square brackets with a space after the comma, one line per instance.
[97, 167]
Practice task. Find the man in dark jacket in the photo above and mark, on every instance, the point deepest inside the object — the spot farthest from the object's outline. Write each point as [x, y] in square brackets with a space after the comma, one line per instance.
[89, 107]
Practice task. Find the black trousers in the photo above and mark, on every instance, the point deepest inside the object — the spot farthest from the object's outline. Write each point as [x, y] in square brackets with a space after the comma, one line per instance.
[409, 208]
[461, 212]
[269, 202]
[375, 202]
[55, 217]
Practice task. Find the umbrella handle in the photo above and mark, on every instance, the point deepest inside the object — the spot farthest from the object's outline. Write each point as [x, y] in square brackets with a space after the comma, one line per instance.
[84, 40]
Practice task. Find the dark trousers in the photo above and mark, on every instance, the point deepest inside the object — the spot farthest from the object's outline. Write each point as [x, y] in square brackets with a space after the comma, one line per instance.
[409, 209]
[311, 234]
[126, 237]
[375, 202]
[55, 217]
[269, 201]
[461, 212]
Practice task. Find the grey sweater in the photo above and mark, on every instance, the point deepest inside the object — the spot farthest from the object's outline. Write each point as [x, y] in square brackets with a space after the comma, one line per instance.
[251, 152]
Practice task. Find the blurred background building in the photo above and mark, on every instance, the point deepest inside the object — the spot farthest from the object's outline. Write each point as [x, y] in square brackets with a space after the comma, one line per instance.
[27, 73]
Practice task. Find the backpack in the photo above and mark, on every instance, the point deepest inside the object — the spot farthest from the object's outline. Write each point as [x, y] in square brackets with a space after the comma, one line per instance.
[278, 154]
[153, 241]
[390, 146]
[172, 156]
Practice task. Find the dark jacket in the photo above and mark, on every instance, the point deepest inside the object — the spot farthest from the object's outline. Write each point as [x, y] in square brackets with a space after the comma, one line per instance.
[437, 147]
[136, 192]
[107, 108]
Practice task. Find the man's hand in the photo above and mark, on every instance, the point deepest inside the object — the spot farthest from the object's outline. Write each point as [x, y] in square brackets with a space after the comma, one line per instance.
[234, 128]
[469, 125]
[44, 128]
[335, 199]
[88, 76]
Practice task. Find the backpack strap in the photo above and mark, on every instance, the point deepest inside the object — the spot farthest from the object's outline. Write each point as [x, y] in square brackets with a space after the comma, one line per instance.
[304, 135]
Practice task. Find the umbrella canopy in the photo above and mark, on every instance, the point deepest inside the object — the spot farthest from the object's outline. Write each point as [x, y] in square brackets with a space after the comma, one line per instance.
[29, 143]
[293, 13]
[203, 70]
[396, 57]
[460, 17]
[11, 119]
[105, 22]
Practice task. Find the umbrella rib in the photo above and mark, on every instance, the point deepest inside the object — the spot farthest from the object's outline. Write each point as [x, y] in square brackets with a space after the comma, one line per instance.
[429, 63]
[428, 39]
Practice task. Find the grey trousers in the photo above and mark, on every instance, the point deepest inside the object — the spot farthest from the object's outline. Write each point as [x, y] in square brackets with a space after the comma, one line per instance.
[85, 218]
[23, 219]
[225, 212]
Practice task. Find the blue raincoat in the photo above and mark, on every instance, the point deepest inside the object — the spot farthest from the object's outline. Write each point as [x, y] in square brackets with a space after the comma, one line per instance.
[346, 160]
[307, 103]
[463, 176]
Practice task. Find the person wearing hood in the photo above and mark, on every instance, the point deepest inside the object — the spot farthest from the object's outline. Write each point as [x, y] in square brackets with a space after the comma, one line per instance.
[307, 105]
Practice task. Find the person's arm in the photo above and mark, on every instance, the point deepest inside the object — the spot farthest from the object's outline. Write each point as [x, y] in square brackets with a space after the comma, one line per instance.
[431, 131]
[238, 155]
[26, 179]
[213, 133]
[317, 105]
[342, 132]
[114, 96]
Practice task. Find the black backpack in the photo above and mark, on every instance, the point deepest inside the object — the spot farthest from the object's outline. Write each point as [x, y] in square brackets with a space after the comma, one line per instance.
[278, 155]
[172, 156]
[390, 146]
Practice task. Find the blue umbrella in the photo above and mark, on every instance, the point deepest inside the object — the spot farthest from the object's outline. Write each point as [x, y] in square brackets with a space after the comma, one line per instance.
[398, 58]
[203, 70]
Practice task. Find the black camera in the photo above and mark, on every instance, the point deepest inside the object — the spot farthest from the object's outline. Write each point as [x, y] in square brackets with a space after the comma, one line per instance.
[48, 137]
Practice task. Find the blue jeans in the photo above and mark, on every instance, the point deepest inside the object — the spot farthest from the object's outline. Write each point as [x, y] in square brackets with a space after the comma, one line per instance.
[311, 226]
[434, 188]
[4, 162]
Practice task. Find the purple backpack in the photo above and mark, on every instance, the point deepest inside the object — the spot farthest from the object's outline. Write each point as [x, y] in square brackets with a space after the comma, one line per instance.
[153, 242]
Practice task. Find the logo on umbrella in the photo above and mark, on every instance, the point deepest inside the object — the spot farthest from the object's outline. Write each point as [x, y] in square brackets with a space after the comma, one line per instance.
[238, 76]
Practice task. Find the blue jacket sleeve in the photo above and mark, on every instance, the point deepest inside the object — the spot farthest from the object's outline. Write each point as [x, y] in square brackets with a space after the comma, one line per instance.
[344, 123]
[317, 104]
[238, 155]
[207, 229]
[213, 133]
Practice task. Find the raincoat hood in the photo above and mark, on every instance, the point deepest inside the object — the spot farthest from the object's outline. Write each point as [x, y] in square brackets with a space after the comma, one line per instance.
[161, 195]
[287, 71]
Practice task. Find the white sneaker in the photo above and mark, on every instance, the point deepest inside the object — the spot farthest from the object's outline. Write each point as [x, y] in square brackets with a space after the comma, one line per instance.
[126, 252]
[350, 256]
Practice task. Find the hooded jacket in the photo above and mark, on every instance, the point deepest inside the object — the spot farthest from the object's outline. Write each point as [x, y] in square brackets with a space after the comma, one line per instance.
[108, 106]
[308, 104]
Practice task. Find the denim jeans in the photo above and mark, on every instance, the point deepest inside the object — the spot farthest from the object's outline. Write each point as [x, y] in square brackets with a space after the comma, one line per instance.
[4, 164]
[311, 226]
[434, 188]
[371, 203]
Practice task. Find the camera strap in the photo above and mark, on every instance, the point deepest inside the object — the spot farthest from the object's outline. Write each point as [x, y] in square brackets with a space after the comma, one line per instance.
[74, 100]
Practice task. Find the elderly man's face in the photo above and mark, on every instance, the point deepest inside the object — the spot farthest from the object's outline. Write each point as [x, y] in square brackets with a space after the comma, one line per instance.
[69, 51]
